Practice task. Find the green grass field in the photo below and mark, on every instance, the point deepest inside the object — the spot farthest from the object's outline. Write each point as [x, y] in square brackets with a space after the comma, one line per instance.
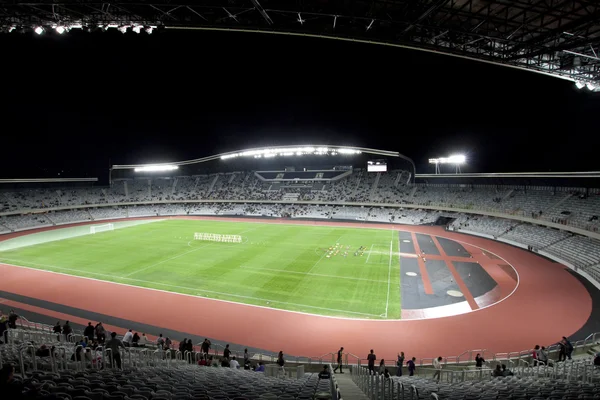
[279, 266]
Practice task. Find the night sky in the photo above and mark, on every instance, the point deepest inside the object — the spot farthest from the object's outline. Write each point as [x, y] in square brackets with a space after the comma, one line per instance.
[77, 102]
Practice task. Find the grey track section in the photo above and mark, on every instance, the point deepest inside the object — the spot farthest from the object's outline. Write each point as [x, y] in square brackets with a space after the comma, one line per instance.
[426, 244]
[406, 247]
[413, 292]
[109, 320]
[452, 248]
[441, 281]
[477, 280]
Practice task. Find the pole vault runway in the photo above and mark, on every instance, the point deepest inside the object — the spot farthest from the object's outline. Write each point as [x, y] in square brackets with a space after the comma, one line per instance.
[547, 303]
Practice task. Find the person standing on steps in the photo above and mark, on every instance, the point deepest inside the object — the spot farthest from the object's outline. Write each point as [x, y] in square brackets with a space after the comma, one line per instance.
[371, 362]
[400, 363]
[340, 356]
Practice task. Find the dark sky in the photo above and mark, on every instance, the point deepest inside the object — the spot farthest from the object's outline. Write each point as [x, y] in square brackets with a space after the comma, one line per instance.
[76, 101]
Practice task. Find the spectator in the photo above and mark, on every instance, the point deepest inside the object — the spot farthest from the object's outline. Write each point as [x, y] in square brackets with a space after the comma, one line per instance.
[206, 346]
[399, 364]
[498, 371]
[144, 341]
[506, 372]
[411, 366]
[437, 364]
[58, 330]
[100, 332]
[562, 351]
[543, 356]
[113, 344]
[12, 319]
[381, 366]
[167, 344]
[128, 338]
[340, 355]
[479, 361]
[246, 357]
[371, 361]
[260, 367]
[66, 330]
[135, 340]
[226, 352]
[160, 342]
[89, 332]
[234, 364]
[182, 345]
[325, 373]
[203, 361]
[281, 362]
[9, 389]
[535, 354]
[568, 347]
[386, 374]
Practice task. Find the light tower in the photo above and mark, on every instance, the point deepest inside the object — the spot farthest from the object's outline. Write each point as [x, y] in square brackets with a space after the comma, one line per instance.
[456, 160]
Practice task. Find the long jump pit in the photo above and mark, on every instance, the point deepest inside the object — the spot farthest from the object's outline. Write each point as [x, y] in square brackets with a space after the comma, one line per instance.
[459, 293]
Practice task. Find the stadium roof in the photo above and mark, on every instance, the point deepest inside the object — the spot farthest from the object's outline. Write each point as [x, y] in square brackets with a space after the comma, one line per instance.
[559, 38]
[275, 151]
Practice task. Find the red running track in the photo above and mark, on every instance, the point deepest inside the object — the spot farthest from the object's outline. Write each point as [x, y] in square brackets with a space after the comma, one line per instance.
[548, 303]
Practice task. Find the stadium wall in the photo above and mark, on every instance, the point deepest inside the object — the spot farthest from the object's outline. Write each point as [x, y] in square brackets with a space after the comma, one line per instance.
[489, 213]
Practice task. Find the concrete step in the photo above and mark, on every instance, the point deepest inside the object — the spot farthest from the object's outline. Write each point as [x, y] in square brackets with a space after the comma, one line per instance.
[348, 388]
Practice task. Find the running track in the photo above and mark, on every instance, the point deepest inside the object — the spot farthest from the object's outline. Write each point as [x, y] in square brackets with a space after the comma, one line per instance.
[548, 304]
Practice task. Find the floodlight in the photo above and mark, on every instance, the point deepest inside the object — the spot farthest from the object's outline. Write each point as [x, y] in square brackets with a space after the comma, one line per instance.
[136, 29]
[457, 159]
[149, 30]
[579, 85]
[590, 86]
[60, 30]
[156, 168]
[12, 28]
[39, 30]
[123, 29]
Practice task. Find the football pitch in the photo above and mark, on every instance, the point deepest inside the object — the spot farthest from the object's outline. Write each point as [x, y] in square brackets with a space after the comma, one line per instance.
[332, 271]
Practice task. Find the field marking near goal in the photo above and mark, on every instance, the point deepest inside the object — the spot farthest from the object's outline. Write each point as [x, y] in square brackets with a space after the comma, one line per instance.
[313, 274]
[177, 287]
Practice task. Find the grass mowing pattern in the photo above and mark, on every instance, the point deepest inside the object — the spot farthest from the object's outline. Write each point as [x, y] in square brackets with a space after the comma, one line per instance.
[279, 266]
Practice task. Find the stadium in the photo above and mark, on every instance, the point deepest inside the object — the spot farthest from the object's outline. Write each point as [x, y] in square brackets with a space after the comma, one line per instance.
[318, 200]
[334, 244]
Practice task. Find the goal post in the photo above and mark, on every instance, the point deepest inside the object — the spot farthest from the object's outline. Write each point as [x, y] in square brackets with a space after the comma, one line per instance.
[101, 228]
[217, 237]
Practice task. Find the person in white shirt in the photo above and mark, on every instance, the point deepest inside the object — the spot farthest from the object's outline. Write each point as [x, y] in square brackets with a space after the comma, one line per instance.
[234, 364]
[437, 364]
[127, 339]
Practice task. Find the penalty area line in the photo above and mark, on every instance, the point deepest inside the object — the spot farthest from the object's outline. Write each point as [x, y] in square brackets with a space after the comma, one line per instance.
[178, 287]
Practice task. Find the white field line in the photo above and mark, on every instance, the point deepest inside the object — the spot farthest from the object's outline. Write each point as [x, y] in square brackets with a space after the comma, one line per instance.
[323, 256]
[369, 255]
[312, 274]
[176, 256]
[179, 287]
[387, 302]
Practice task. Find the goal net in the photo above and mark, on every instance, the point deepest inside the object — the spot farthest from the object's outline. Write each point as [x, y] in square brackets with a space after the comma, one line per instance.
[101, 228]
[216, 237]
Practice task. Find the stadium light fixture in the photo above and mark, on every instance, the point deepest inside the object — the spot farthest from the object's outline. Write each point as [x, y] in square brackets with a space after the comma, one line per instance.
[580, 85]
[39, 30]
[156, 168]
[60, 30]
[590, 86]
[457, 160]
